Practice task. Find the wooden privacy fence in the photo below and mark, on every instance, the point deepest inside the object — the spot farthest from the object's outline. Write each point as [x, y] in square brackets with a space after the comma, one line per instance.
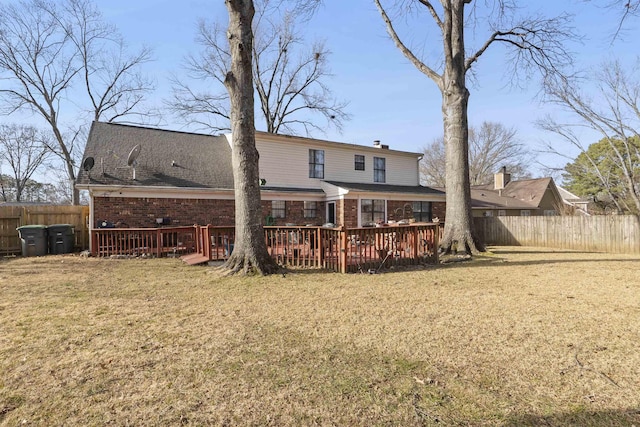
[12, 217]
[338, 249]
[601, 233]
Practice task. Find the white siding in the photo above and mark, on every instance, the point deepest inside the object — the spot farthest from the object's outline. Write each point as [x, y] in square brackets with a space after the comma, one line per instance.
[286, 163]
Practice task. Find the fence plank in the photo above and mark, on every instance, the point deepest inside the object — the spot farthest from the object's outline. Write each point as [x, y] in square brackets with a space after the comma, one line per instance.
[615, 233]
[12, 217]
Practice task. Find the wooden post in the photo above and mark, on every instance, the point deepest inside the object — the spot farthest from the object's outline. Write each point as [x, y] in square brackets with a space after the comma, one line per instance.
[416, 242]
[318, 247]
[94, 243]
[436, 243]
[159, 242]
[343, 249]
[207, 241]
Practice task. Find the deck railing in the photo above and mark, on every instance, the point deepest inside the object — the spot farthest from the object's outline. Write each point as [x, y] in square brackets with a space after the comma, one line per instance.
[143, 241]
[338, 249]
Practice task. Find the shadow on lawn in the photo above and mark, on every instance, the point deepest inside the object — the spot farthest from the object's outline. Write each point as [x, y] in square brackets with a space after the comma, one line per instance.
[499, 250]
[494, 261]
[629, 417]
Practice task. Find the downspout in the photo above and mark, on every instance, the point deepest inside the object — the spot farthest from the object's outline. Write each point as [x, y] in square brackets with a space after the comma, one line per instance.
[91, 219]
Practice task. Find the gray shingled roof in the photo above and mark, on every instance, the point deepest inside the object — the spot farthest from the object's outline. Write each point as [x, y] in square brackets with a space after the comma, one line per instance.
[386, 188]
[167, 158]
[525, 194]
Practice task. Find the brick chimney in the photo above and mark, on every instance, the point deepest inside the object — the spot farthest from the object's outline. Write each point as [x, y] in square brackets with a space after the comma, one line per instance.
[501, 179]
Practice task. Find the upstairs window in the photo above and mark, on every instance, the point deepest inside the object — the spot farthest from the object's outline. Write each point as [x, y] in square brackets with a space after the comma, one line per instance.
[278, 208]
[359, 162]
[310, 209]
[316, 164]
[379, 169]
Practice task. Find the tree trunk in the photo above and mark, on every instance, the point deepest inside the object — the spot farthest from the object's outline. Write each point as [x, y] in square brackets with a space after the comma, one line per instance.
[250, 251]
[459, 234]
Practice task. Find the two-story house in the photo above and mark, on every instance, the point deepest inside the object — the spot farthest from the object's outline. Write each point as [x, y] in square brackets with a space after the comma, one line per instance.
[142, 177]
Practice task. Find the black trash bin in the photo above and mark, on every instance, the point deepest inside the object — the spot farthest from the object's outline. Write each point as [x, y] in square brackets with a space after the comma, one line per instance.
[61, 238]
[33, 239]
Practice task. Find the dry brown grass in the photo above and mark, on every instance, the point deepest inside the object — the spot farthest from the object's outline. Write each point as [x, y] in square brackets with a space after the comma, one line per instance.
[522, 337]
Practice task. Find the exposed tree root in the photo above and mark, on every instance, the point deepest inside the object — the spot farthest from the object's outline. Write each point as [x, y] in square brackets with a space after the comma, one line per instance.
[250, 265]
[460, 243]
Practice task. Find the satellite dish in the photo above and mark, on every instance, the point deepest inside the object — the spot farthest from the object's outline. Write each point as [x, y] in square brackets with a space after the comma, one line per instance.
[88, 163]
[133, 155]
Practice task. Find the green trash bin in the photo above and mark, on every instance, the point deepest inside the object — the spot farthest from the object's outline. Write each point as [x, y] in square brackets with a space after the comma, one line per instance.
[33, 239]
[61, 238]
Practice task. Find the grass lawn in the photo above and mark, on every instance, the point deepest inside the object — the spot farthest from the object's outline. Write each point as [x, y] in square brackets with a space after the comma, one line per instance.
[523, 336]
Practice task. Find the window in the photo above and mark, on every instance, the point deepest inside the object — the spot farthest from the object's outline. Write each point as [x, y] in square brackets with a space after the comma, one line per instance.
[359, 162]
[278, 208]
[502, 212]
[549, 212]
[379, 169]
[422, 211]
[488, 213]
[310, 209]
[316, 164]
[525, 212]
[372, 211]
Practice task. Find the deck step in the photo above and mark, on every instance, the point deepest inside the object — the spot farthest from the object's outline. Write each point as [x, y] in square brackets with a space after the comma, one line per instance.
[193, 259]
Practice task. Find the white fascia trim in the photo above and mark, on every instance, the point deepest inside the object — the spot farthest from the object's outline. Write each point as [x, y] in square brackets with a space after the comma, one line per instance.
[159, 192]
[398, 196]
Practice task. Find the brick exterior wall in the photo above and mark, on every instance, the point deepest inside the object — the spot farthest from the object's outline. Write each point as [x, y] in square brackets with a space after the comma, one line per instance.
[348, 213]
[143, 212]
[438, 210]
[399, 210]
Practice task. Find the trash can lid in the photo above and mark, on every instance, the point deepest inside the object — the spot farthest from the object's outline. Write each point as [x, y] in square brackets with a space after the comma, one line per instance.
[60, 225]
[33, 227]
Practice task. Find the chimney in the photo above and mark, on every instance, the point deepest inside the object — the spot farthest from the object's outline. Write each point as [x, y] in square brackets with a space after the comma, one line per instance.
[501, 179]
[377, 144]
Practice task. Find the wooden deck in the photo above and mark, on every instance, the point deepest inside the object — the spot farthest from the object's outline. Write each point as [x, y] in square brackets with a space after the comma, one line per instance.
[338, 249]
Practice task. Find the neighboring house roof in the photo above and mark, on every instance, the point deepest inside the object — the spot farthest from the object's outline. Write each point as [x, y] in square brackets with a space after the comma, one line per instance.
[386, 188]
[571, 198]
[167, 158]
[490, 199]
[579, 203]
[522, 194]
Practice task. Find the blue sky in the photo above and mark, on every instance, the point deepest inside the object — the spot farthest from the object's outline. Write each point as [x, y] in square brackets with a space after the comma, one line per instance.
[389, 99]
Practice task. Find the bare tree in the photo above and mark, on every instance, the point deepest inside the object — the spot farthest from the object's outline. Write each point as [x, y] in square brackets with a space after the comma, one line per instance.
[250, 251]
[614, 113]
[52, 52]
[626, 9]
[23, 149]
[289, 77]
[491, 147]
[535, 43]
